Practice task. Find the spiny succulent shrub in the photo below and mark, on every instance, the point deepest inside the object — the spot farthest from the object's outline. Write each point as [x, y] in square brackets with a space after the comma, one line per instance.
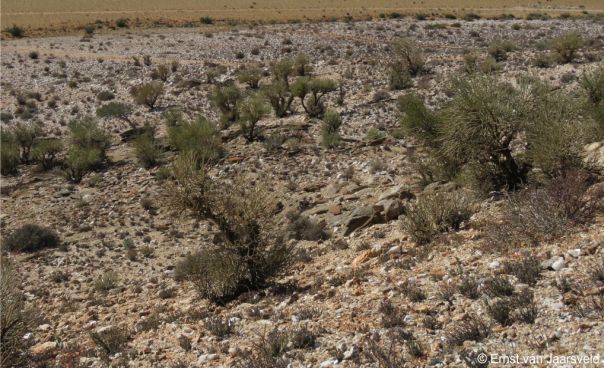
[566, 46]
[15, 31]
[31, 238]
[162, 72]
[251, 249]
[250, 76]
[25, 136]
[9, 153]
[499, 49]
[199, 136]
[417, 120]
[251, 110]
[311, 91]
[485, 119]
[115, 110]
[434, 213]
[279, 96]
[330, 136]
[226, 99]
[148, 94]
[146, 147]
[17, 319]
[302, 65]
[45, 152]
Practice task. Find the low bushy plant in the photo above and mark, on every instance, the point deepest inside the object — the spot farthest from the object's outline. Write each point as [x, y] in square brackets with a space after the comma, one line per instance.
[567, 45]
[330, 136]
[146, 148]
[279, 96]
[45, 152]
[31, 238]
[148, 94]
[250, 76]
[81, 160]
[199, 136]
[417, 120]
[434, 213]
[10, 156]
[311, 92]
[251, 110]
[226, 99]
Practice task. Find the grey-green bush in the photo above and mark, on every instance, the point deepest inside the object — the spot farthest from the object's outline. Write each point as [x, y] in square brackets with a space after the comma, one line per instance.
[31, 238]
[199, 136]
[251, 110]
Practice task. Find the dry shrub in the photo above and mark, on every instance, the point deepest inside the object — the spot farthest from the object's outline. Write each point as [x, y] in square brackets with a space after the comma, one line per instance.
[16, 318]
[541, 213]
[434, 213]
[250, 248]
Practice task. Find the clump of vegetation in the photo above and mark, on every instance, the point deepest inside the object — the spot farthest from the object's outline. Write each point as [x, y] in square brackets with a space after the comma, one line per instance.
[408, 62]
[527, 269]
[45, 152]
[330, 137]
[198, 136]
[500, 48]
[566, 46]
[115, 110]
[279, 96]
[206, 20]
[17, 319]
[302, 227]
[122, 22]
[302, 65]
[105, 96]
[544, 212]
[148, 94]
[227, 99]
[311, 91]
[251, 110]
[146, 147]
[417, 120]
[593, 85]
[432, 214]
[162, 72]
[31, 238]
[250, 76]
[25, 135]
[251, 250]
[107, 281]
[110, 340]
[87, 152]
[474, 329]
[15, 31]
[10, 156]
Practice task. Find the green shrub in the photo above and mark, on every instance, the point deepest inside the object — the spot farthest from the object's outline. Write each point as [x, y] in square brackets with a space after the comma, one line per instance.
[206, 20]
[251, 76]
[10, 156]
[17, 319]
[172, 116]
[45, 152]
[499, 49]
[25, 136]
[105, 96]
[434, 213]
[89, 29]
[251, 250]
[330, 137]
[302, 65]
[147, 94]
[226, 99]
[15, 31]
[146, 148]
[115, 110]
[107, 281]
[122, 22]
[162, 72]
[489, 65]
[417, 120]
[544, 60]
[399, 77]
[470, 17]
[198, 136]
[282, 70]
[81, 160]
[279, 96]
[373, 135]
[593, 85]
[86, 134]
[566, 46]
[251, 110]
[31, 238]
[315, 89]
